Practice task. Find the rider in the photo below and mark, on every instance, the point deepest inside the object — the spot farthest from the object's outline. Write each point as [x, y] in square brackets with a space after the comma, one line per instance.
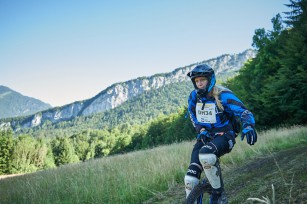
[210, 108]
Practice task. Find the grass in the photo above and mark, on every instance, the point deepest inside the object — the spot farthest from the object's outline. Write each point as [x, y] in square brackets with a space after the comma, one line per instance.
[268, 141]
[127, 178]
[265, 199]
[134, 177]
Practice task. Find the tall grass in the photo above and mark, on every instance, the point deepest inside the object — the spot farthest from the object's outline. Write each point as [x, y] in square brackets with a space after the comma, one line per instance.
[268, 141]
[133, 177]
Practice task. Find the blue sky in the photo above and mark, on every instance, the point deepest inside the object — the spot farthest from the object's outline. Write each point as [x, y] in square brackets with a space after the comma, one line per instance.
[61, 51]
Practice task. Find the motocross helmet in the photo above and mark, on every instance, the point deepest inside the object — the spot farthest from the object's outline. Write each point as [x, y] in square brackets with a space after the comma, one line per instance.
[203, 70]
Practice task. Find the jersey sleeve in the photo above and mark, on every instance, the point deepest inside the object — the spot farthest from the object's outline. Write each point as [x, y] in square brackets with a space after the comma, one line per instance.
[233, 105]
[192, 111]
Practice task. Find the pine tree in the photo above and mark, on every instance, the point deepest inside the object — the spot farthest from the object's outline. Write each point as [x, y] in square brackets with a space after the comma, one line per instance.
[291, 80]
[63, 151]
[6, 146]
[273, 85]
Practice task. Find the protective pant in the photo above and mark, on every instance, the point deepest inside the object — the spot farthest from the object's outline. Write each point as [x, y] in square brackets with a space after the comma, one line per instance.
[211, 166]
[217, 147]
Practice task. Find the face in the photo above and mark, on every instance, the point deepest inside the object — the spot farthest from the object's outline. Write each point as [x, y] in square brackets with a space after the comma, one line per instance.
[201, 82]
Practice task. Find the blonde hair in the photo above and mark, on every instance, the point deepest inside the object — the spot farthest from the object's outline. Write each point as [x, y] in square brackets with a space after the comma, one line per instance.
[215, 92]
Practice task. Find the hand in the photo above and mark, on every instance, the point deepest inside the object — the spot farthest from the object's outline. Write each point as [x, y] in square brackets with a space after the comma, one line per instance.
[250, 133]
[203, 134]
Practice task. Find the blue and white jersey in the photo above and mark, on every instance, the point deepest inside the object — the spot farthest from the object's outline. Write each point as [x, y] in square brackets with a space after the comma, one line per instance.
[204, 112]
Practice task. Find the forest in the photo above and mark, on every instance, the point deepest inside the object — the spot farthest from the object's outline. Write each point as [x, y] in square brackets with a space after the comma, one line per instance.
[272, 85]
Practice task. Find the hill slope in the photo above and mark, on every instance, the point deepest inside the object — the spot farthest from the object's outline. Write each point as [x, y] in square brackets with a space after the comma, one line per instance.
[14, 104]
[138, 110]
[248, 172]
[286, 170]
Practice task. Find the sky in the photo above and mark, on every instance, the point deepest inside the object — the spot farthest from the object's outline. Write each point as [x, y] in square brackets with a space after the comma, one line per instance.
[61, 51]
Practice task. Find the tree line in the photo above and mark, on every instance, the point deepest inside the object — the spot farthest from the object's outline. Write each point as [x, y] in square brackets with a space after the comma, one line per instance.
[26, 153]
[273, 85]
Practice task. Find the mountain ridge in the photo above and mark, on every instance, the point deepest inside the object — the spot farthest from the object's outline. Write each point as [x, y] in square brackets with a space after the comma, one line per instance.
[13, 104]
[118, 93]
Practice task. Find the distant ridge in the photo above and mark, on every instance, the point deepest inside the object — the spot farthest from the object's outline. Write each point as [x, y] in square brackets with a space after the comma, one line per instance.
[14, 104]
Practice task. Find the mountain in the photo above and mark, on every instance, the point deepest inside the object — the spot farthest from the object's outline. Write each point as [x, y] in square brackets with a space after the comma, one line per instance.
[139, 89]
[14, 104]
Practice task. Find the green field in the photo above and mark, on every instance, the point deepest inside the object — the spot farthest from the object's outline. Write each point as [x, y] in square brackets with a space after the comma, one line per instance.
[140, 176]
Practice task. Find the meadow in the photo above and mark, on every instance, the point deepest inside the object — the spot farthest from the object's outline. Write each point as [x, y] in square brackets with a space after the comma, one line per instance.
[133, 177]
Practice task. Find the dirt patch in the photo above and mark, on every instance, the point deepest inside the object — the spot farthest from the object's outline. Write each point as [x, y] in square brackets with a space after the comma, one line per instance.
[284, 170]
[9, 175]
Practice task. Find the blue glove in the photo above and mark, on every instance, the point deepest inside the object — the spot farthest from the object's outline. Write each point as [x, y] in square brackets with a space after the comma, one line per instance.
[203, 135]
[250, 133]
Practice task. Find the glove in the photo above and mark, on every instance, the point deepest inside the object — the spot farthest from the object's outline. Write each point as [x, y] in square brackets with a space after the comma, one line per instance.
[203, 135]
[250, 133]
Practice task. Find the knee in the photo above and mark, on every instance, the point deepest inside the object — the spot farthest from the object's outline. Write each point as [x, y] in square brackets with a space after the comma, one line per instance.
[207, 160]
[207, 155]
[190, 182]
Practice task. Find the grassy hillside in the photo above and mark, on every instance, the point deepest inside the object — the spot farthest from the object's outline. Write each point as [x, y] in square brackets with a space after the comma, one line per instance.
[147, 176]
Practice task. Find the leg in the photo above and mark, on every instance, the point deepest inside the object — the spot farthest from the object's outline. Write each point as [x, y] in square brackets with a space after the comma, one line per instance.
[208, 156]
[192, 176]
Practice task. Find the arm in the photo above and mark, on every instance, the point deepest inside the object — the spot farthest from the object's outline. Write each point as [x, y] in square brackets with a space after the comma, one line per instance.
[191, 108]
[232, 104]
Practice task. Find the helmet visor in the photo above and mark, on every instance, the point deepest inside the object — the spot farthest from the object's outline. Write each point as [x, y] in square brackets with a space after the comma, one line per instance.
[193, 74]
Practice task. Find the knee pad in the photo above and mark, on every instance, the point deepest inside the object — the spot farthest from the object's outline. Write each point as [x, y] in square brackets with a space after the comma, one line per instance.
[211, 169]
[190, 182]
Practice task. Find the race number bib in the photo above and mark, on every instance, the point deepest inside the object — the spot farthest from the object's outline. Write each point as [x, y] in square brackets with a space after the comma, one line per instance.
[205, 113]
